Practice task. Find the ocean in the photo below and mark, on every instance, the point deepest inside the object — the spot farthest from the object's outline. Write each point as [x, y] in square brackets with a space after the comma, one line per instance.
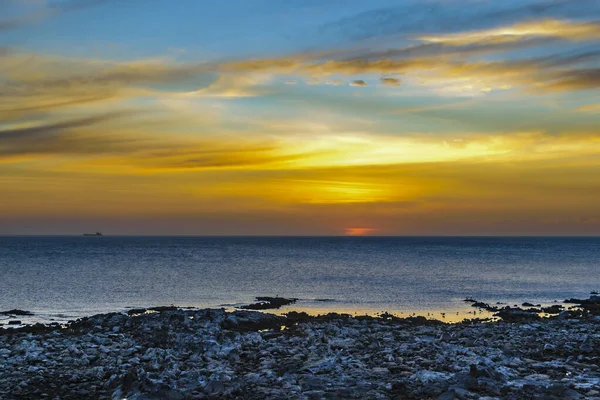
[65, 277]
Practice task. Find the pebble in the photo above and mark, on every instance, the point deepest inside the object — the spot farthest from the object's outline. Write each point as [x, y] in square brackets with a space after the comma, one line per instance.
[211, 354]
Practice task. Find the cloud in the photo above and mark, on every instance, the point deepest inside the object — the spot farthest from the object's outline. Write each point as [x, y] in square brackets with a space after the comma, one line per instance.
[320, 81]
[41, 83]
[554, 73]
[580, 30]
[358, 82]
[114, 143]
[235, 85]
[444, 51]
[446, 59]
[319, 68]
[390, 81]
[59, 138]
[33, 83]
[37, 131]
[591, 108]
[136, 142]
[579, 79]
[48, 10]
[447, 17]
[214, 155]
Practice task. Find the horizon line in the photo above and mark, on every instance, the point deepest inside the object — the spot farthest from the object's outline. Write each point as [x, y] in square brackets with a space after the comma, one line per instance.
[311, 236]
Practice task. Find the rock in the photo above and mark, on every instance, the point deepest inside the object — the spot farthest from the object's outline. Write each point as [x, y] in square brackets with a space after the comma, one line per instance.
[554, 309]
[314, 394]
[563, 314]
[16, 312]
[171, 394]
[586, 348]
[217, 354]
[447, 395]
[268, 303]
[14, 322]
[314, 383]
[214, 387]
[556, 389]
[135, 311]
[571, 394]
[516, 314]
[480, 372]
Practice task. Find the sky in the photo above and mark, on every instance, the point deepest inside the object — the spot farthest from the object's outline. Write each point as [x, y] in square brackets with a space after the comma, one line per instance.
[300, 117]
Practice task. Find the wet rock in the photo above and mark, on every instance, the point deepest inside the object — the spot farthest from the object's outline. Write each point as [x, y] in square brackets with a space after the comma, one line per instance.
[164, 308]
[135, 311]
[554, 309]
[516, 314]
[564, 314]
[484, 306]
[16, 312]
[268, 303]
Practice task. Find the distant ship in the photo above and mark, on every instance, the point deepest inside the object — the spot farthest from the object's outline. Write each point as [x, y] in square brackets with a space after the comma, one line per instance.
[93, 234]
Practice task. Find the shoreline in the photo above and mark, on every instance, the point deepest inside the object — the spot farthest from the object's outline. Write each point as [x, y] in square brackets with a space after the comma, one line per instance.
[173, 353]
[453, 312]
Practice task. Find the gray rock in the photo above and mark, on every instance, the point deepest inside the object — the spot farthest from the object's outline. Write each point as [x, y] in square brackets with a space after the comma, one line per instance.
[572, 394]
[314, 394]
[314, 383]
[586, 348]
[214, 387]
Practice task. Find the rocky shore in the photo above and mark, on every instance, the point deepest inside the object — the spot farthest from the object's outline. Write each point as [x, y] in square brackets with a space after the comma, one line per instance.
[170, 353]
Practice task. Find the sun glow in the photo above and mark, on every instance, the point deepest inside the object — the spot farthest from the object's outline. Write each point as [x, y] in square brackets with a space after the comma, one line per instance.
[359, 231]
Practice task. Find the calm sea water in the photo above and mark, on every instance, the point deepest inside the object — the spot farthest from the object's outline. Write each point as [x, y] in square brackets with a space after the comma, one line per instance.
[64, 277]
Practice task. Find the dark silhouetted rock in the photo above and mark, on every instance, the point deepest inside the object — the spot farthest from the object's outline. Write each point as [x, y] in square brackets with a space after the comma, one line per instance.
[268, 303]
[16, 312]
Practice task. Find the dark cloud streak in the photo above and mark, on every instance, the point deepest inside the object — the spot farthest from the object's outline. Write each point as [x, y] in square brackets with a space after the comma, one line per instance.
[54, 128]
[64, 137]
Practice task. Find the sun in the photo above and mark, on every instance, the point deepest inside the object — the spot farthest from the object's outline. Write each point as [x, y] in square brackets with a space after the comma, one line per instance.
[359, 231]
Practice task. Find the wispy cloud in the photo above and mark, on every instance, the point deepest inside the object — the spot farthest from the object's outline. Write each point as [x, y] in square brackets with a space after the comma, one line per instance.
[387, 81]
[39, 83]
[417, 17]
[48, 10]
[235, 86]
[570, 30]
[358, 82]
[591, 108]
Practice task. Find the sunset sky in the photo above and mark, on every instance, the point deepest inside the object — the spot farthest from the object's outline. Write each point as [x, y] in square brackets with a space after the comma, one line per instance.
[300, 117]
